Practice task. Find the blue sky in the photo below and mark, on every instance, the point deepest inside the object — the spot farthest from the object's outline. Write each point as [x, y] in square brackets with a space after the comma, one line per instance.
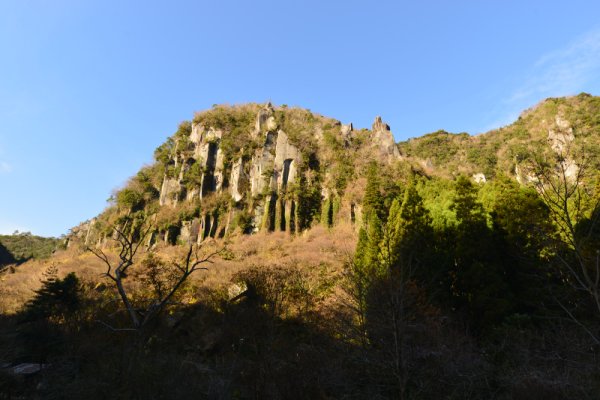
[88, 89]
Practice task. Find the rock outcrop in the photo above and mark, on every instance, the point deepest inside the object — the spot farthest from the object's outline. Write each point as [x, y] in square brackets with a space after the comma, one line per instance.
[260, 185]
[266, 169]
[258, 167]
[383, 139]
[479, 177]
[560, 138]
[346, 131]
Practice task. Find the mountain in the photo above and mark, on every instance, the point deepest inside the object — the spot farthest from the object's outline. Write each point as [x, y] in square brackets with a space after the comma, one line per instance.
[555, 124]
[331, 262]
[252, 167]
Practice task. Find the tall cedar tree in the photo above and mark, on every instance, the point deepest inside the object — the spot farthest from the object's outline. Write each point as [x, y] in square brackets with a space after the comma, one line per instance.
[478, 277]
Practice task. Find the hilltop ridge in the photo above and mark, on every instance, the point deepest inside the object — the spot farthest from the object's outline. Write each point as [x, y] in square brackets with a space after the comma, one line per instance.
[570, 120]
[252, 167]
[249, 167]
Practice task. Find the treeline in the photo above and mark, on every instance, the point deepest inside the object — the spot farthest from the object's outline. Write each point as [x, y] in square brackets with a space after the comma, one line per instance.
[499, 263]
[22, 246]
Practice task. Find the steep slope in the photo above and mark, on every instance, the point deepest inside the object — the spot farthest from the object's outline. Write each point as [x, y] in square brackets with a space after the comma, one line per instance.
[249, 168]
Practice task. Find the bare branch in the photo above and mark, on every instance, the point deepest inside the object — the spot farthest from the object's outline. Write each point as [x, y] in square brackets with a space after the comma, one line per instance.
[574, 319]
[129, 246]
[116, 329]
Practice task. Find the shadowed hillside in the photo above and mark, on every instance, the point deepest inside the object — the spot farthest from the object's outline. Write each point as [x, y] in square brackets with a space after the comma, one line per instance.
[5, 256]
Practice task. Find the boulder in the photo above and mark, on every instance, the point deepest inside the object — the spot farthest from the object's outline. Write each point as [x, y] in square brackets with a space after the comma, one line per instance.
[479, 178]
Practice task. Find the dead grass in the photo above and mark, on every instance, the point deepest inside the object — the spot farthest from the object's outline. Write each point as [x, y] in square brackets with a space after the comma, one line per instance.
[319, 253]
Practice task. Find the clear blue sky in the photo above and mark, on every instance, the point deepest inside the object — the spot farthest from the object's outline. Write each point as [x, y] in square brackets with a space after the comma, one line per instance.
[88, 89]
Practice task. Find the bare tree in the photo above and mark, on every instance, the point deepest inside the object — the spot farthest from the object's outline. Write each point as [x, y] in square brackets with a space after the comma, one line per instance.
[117, 272]
[565, 188]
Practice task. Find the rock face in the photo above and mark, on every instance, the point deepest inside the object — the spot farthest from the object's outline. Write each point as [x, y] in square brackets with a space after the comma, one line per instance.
[346, 132]
[169, 191]
[237, 172]
[287, 157]
[560, 138]
[524, 175]
[259, 185]
[256, 167]
[384, 140]
[265, 169]
[265, 120]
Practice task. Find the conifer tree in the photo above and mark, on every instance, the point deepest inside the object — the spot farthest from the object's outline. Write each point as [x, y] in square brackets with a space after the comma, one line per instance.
[479, 272]
[408, 228]
[373, 200]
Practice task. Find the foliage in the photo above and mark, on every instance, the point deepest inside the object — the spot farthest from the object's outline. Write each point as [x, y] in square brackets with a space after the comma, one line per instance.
[21, 246]
[439, 146]
[373, 199]
[300, 126]
[341, 166]
[308, 194]
[236, 122]
[456, 290]
[156, 276]
[192, 177]
[280, 291]
[130, 199]
[438, 195]
[5, 256]
[163, 153]
[244, 221]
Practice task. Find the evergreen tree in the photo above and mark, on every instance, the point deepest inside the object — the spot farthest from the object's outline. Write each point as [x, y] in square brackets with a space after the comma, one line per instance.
[373, 201]
[367, 255]
[524, 232]
[478, 276]
[309, 200]
[466, 206]
[406, 232]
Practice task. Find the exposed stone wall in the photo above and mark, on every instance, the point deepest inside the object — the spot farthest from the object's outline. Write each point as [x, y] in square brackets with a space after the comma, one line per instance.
[235, 180]
[169, 192]
[260, 185]
[383, 139]
[560, 138]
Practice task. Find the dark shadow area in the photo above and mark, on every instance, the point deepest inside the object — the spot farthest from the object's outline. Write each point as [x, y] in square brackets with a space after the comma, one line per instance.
[269, 342]
[6, 257]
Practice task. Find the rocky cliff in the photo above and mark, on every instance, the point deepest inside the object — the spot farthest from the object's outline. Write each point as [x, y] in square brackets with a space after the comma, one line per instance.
[254, 167]
[251, 168]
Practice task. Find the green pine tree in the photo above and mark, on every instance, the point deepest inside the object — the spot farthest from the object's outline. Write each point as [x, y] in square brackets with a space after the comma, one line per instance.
[373, 201]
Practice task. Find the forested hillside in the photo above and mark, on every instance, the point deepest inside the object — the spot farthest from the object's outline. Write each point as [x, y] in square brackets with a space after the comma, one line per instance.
[20, 247]
[270, 252]
[505, 149]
